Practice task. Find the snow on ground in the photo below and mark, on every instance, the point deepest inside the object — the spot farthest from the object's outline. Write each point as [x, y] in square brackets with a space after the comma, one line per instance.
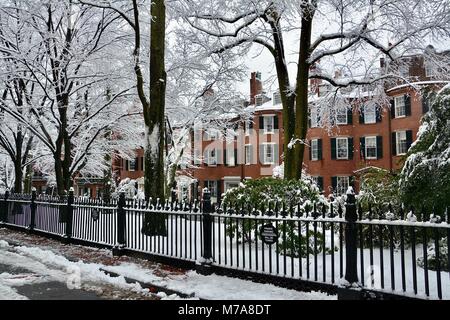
[216, 287]
[47, 265]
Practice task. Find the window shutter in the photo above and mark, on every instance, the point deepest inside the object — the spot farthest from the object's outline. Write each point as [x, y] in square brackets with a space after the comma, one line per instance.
[319, 144]
[309, 121]
[425, 104]
[409, 138]
[393, 108]
[407, 105]
[320, 183]
[235, 157]
[351, 148]
[333, 148]
[218, 157]
[378, 114]
[136, 165]
[351, 181]
[261, 122]
[310, 151]
[275, 153]
[251, 154]
[350, 115]
[127, 165]
[362, 147]
[225, 159]
[275, 122]
[361, 115]
[394, 143]
[219, 191]
[142, 163]
[261, 154]
[379, 147]
[334, 183]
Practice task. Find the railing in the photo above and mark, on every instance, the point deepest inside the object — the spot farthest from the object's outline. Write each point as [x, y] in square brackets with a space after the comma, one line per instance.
[384, 250]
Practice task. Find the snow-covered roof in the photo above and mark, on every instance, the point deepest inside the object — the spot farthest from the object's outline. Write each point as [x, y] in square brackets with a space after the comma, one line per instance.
[267, 106]
[420, 83]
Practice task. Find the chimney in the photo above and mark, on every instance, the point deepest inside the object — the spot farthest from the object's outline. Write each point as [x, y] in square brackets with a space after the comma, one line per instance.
[382, 63]
[314, 83]
[255, 86]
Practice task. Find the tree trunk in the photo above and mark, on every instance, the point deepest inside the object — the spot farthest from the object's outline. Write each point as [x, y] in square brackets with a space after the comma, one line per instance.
[301, 103]
[18, 172]
[155, 224]
[287, 98]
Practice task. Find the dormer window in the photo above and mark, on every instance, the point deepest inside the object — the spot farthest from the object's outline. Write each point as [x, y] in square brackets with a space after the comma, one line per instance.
[276, 98]
[259, 100]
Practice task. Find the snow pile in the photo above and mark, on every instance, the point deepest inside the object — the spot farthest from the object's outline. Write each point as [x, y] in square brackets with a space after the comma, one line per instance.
[216, 287]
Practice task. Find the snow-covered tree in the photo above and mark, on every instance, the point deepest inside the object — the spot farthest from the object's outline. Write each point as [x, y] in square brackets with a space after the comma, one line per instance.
[351, 34]
[426, 174]
[79, 83]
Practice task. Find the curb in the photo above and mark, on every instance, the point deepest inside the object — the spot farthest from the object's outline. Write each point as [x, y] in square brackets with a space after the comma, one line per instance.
[152, 287]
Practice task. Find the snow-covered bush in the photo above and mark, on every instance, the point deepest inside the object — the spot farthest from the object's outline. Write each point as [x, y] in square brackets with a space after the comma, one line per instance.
[426, 173]
[431, 256]
[271, 194]
[128, 186]
[379, 188]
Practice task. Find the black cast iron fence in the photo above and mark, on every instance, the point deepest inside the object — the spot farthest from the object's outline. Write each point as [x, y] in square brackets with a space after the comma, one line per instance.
[382, 250]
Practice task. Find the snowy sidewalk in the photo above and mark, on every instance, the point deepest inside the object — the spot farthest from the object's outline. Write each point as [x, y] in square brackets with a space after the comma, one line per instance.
[81, 267]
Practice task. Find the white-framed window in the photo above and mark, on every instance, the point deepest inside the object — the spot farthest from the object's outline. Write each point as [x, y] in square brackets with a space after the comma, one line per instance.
[341, 116]
[212, 187]
[342, 184]
[230, 184]
[247, 127]
[341, 148]
[211, 157]
[248, 154]
[230, 158]
[269, 153]
[213, 134]
[401, 143]
[276, 98]
[132, 165]
[400, 108]
[259, 100]
[268, 124]
[314, 118]
[314, 150]
[371, 147]
[370, 114]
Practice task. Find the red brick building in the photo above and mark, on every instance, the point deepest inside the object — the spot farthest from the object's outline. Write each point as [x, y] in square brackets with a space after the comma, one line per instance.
[364, 136]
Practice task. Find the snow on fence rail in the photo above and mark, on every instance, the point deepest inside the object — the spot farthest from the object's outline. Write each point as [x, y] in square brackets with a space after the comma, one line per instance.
[389, 251]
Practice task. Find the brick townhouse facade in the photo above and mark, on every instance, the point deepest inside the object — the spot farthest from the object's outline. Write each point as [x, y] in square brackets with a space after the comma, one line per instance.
[365, 136]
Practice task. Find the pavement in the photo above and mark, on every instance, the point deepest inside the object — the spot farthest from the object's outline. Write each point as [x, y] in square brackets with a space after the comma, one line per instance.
[49, 290]
[23, 276]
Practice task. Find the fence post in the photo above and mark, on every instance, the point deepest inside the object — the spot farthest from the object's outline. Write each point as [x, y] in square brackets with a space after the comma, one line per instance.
[4, 209]
[33, 210]
[206, 260]
[120, 225]
[351, 249]
[69, 216]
